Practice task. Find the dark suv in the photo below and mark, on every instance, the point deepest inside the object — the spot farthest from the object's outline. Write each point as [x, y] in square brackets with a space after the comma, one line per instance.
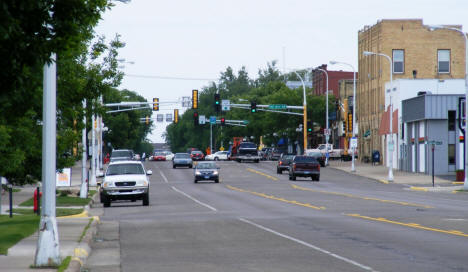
[121, 155]
[304, 166]
[283, 163]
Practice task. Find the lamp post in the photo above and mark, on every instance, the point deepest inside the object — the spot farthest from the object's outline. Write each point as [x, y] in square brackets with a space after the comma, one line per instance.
[391, 144]
[304, 126]
[327, 135]
[435, 27]
[353, 168]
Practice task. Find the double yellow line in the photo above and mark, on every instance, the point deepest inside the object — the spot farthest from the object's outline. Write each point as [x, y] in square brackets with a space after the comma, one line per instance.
[261, 173]
[308, 205]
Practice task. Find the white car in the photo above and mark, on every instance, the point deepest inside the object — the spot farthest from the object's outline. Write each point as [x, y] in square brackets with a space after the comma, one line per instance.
[169, 156]
[125, 180]
[220, 155]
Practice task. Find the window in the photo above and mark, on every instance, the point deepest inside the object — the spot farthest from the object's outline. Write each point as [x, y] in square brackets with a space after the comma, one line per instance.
[451, 120]
[398, 61]
[451, 154]
[443, 61]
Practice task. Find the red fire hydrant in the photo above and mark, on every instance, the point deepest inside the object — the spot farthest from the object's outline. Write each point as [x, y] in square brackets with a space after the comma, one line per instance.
[36, 204]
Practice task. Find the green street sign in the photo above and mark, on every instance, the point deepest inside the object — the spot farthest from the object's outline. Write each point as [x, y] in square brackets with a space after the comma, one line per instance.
[277, 106]
[246, 122]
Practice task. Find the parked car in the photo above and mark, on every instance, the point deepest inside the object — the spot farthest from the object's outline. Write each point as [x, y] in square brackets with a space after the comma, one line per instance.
[283, 163]
[197, 155]
[169, 155]
[304, 166]
[220, 155]
[206, 171]
[274, 154]
[319, 156]
[159, 156]
[264, 153]
[182, 159]
[121, 155]
[125, 180]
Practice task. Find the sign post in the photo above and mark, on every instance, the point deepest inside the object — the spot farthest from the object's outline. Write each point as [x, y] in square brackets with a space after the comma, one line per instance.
[433, 144]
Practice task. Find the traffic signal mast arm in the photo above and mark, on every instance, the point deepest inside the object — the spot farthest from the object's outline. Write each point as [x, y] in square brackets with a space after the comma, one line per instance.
[266, 108]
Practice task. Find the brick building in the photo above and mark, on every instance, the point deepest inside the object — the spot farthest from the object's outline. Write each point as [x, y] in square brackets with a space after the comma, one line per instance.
[416, 52]
[320, 81]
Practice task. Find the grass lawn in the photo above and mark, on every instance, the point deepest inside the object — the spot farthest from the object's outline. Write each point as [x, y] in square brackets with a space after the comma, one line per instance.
[58, 212]
[65, 200]
[12, 230]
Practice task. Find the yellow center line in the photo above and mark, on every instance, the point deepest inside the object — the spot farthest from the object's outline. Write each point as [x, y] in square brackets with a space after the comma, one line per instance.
[411, 225]
[308, 205]
[360, 197]
[263, 174]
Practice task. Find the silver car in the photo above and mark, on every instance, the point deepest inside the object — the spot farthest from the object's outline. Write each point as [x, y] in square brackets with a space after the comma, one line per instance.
[182, 159]
[206, 171]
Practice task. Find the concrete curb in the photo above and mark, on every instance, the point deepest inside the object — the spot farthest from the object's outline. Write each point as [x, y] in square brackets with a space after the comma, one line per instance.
[357, 175]
[83, 250]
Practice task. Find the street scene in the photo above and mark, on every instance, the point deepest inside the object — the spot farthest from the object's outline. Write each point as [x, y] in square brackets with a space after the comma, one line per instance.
[243, 136]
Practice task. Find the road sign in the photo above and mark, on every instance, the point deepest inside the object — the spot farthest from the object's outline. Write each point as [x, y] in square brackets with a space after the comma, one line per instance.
[246, 122]
[225, 105]
[202, 119]
[213, 120]
[327, 131]
[353, 143]
[277, 106]
[434, 142]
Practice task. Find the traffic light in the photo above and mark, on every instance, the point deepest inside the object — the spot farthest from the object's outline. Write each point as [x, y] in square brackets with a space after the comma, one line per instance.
[350, 122]
[343, 128]
[309, 126]
[147, 120]
[176, 116]
[223, 121]
[195, 118]
[194, 99]
[155, 104]
[217, 102]
[253, 107]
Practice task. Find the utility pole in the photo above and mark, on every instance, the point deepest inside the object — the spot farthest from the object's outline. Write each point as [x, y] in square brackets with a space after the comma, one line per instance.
[84, 157]
[92, 180]
[47, 251]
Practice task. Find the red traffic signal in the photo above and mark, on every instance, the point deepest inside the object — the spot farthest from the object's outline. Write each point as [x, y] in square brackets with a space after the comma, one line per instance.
[223, 121]
[195, 118]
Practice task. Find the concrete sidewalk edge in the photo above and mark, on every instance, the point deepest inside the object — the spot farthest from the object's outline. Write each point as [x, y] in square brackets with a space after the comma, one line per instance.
[83, 250]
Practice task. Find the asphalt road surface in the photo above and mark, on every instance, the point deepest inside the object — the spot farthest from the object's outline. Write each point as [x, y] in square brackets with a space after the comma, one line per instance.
[257, 220]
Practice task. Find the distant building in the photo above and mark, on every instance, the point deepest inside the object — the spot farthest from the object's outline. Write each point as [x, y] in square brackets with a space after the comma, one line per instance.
[298, 84]
[320, 81]
[416, 53]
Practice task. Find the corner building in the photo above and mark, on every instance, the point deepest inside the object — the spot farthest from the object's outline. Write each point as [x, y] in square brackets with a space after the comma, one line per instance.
[416, 53]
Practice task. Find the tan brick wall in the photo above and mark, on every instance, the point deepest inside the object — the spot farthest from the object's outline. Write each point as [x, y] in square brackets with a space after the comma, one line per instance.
[420, 47]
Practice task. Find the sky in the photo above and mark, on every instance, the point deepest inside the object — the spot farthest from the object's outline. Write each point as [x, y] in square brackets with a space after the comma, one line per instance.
[187, 39]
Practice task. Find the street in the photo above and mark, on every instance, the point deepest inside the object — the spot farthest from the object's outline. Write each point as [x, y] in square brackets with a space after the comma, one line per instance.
[257, 220]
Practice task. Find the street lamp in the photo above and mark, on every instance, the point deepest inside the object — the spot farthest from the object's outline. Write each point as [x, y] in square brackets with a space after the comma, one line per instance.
[305, 112]
[391, 143]
[327, 135]
[353, 168]
[435, 27]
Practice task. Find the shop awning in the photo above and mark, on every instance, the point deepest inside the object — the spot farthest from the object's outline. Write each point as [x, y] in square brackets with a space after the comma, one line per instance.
[385, 121]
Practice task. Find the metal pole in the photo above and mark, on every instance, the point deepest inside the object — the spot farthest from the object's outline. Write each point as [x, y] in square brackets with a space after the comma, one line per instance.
[47, 251]
[211, 137]
[84, 172]
[433, 147]
[10, 194]
[327, 136]
[92, 181]
[353, 167]
[465, 184]
[304, 125]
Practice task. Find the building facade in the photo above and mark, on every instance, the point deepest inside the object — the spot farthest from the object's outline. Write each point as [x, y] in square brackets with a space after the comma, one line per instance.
[432, 119]
[416, 52]
[319, 80]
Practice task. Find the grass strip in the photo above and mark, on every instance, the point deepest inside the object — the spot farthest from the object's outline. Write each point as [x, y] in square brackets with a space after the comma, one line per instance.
[61, 201]
[461, 191]
[13, 230]
[58, 212]
[64, 265]
[85, 230]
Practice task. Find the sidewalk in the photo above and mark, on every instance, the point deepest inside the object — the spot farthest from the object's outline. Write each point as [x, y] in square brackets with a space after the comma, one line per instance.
[70, 230]
[415, 181]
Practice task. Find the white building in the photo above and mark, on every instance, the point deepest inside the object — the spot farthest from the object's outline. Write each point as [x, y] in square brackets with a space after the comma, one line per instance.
[403, 89]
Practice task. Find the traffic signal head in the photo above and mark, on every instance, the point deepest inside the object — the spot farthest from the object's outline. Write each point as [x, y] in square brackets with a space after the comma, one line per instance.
[223, 121]
[147, 119]
[155, 104]
[176, 116]
[217, 102]
[194, 99]
[350, 122]
[309, 126]
[195, 118]
[253, 107]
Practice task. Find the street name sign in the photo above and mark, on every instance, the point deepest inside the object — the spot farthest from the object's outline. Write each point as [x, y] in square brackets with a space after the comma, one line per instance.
[213, 120]
[277, 106]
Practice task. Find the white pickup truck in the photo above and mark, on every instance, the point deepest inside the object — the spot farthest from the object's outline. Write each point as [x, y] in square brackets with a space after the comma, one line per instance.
[322, 148]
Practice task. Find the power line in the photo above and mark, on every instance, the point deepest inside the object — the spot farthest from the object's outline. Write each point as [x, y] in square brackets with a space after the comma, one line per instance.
[169, 77]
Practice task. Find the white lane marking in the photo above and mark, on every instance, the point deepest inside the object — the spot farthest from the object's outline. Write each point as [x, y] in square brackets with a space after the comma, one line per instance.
[164, 177]
[308, 245]
[194, 199]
